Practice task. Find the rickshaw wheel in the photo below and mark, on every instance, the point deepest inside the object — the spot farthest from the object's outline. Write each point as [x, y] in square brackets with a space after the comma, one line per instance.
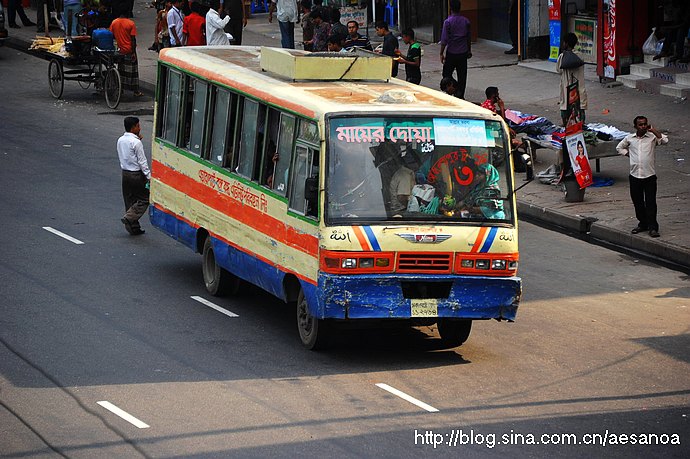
[56, 78]
[113, 88]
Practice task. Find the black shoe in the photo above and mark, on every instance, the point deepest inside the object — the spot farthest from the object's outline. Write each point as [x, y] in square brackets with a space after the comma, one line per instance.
[511, 51]
[14, 26]
[137, 231]
[654, 233]
[128, 225]
[638, 229]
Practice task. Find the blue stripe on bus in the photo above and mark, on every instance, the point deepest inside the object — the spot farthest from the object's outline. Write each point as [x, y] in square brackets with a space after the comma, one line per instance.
[489, 240]
[372, 239]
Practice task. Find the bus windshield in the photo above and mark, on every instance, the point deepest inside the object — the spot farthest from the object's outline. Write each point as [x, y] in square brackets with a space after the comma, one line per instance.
[417, 169]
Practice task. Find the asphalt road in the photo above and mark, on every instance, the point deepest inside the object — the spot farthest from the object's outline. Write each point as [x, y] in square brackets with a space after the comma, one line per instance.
[601, 346]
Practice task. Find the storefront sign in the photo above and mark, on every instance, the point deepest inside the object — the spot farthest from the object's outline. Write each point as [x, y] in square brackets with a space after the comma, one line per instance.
[350, 13]
[585, 31]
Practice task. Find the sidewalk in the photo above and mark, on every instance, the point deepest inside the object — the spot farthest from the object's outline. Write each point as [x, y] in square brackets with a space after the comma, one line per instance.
[606, 214]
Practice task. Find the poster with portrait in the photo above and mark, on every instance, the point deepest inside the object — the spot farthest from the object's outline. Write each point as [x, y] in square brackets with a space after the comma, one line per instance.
[577, 151]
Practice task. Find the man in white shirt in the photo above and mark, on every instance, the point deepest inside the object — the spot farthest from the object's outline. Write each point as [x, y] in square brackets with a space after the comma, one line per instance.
[287, 16]
[135, 175]
[215, 33]
[640, 147]
[175, 23]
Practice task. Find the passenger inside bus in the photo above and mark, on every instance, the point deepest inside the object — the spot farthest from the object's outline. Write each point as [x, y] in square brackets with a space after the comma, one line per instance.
[483, 199]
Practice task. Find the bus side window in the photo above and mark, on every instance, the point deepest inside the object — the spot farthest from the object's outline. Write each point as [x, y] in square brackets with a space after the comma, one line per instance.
[160, 98]
[251, 136]
[286, 141]
[303, 167]
[171, 111]
[270, 147]
[219, 126]
[198, 116]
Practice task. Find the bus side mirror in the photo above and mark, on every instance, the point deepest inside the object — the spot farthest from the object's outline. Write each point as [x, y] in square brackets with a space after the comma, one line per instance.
[311, 189]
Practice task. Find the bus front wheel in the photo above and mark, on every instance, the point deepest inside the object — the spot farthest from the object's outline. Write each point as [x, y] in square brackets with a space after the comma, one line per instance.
[312, 331]
[218, 281]
[454, 332]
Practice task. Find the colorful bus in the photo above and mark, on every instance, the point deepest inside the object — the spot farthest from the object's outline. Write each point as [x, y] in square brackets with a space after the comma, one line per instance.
[342, 191]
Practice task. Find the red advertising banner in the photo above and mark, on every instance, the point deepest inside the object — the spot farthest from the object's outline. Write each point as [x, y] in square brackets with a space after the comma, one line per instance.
[577, 150]
[554, 10]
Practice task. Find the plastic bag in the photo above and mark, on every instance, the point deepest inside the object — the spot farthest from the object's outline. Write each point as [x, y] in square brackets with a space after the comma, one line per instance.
[649, 47]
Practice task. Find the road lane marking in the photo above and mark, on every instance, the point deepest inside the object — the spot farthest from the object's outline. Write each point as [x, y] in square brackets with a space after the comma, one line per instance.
[409, 398]
[214, 306]
[123, 414]
[62, 235]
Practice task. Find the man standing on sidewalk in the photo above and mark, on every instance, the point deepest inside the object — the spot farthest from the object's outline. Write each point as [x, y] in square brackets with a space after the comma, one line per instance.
[287, 16]
[215, 33]
[175, 23]
[640, 147]
[125, 32]
[238, 19]
[135, 175]
[456, 41]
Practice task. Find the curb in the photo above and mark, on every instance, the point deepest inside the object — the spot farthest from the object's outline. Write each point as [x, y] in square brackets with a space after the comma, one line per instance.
[590, 231]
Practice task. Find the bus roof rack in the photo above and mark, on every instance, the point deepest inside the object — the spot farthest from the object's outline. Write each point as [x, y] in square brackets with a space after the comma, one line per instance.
[303, 66]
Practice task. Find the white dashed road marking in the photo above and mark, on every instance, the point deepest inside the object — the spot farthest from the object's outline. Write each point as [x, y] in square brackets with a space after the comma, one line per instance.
[205, 302]
[62, 235]
[409, 398]
[123, 414]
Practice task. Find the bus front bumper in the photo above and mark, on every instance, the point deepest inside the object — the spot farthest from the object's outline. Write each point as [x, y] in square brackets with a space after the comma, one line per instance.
[410, 296]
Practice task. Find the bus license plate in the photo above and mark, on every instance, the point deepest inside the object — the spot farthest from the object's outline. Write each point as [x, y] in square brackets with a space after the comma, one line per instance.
[425, 308]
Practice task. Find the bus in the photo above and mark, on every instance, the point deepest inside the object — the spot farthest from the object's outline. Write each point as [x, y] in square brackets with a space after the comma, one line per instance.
[350, 195]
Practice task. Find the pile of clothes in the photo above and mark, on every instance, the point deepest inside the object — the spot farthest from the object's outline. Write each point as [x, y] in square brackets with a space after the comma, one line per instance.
[541, 128]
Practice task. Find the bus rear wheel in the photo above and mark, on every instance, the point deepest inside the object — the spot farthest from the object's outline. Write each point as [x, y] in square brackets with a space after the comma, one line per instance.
[218, 281]
[313, 332]
[454, 332]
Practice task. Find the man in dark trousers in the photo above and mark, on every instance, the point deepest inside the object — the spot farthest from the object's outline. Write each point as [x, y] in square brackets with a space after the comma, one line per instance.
[456, 46]
[238, 19]
[135, 175]
[640, 147]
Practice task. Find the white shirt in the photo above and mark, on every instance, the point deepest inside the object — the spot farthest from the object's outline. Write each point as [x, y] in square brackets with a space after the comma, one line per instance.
[286, 10]
[175, 18]
[642, 153]
[215, 35]
[131, 153]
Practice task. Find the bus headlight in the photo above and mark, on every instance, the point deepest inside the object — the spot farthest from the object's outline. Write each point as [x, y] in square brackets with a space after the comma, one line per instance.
[498, 264]
[482, 264]
[366, 262]
[349, 263]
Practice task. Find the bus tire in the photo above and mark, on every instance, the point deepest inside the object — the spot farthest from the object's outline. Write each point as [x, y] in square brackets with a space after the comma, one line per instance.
[312, 331]
[454, 332]
[218, 281]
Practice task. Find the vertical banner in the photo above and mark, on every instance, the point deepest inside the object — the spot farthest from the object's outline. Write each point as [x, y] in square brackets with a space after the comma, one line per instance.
[577, 150]
[610, 58]
[554, 10]
[554, 40]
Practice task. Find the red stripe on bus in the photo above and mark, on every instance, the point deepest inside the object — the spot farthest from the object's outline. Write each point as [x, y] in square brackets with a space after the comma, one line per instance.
[361, 238]
[241, 249]
[478, 241]
[244, 214]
